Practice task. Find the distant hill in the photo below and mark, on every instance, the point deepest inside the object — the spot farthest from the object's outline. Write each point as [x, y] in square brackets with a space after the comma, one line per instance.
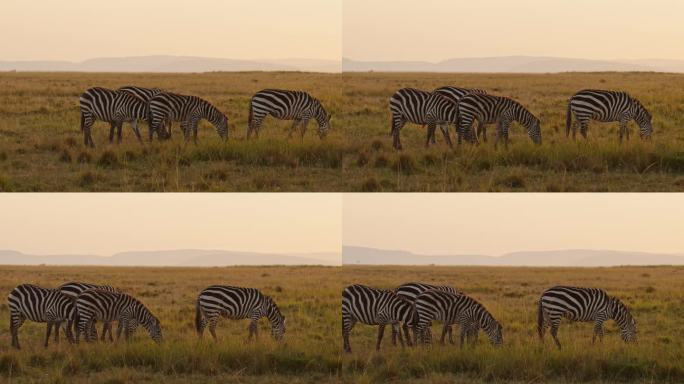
[516, 64]
[178, 258]
[555, 258]
[172, 64]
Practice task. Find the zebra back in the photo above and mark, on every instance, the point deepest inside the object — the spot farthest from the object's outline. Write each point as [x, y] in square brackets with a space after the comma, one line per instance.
[457, 308]
[456, 93]
[420, 107]
[411, 290]
[74, 288]
[144, 94]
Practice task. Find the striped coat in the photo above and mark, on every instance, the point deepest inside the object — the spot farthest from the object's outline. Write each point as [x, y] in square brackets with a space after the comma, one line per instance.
[166, 107]
[606, 106]
[237, 303]
[287, 105]
[43, 305]
[113, 107]
[583, 304]
[74, 288]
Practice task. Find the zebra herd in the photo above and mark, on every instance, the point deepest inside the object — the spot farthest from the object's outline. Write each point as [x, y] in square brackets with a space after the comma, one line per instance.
[462, 107]
[160, 109]
[76, 307]
[414, 306]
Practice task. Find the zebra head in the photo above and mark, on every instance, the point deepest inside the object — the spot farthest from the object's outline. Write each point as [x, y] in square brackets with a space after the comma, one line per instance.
[323, 120]
[220, 122]
[533, 126]
[272, 312]
[643, 119]
[493, 329]
[619, 312]
[153, 327]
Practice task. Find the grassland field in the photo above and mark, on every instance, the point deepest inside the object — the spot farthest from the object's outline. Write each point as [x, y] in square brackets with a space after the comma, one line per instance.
[41, 146]
[310, 298]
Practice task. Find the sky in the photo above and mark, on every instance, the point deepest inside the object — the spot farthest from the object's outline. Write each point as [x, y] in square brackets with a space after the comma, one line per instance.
[435, 30]
[75, 30]
[494, 224]
[103, 224]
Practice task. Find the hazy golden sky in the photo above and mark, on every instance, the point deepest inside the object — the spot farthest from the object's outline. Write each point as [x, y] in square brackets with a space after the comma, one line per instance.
[435, 30]
[90, 223]
[493, 224]
[241, 29]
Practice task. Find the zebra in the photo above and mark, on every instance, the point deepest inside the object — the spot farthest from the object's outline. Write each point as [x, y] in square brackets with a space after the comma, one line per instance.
[43, 305]
[421, 107]
[455, 94]
[361, 303]
[488, 109]
[237, 303]
[450, 308]
[411, 290]
[583, 304]
[166, 107]
[97, 304]
[145, 94]
[113, 107]
[606, 106]
[287, 105]
[73, 289]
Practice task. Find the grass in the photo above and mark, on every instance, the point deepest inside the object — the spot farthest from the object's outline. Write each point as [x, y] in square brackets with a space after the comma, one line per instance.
[310, 352]
[511, 294]
[41, 145]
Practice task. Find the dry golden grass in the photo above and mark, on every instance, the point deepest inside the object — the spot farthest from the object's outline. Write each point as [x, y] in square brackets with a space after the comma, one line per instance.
[41, 144]
[310, 351]
[654, 295]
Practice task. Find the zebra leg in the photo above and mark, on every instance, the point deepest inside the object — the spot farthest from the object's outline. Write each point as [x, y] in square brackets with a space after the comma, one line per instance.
[430, 134]
[112, 129]
[136, 130]
[105, 328]
[624, 129]
[212, 327]
[57, 326]
[445, 133]
[120, 328]
[396, 129]
[482, 131]
[395, 332]
[407, 334]
[584, 126]
[554, 331]
[381, 332]
[87, 138]
[252, 330]
[302, 128]
[598, 330]
[47, 333]
[293, 128]
[16, 320]
[451, 336]
[194, 130]
[347, 326]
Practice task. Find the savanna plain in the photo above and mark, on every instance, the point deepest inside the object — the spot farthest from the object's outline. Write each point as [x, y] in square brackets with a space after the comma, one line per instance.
[653, 295]
[308, 297]
[41, 146]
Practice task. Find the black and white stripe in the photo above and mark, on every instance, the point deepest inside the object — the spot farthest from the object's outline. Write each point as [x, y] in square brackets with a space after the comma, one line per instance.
[361, 303]
[583, 304]
[410, 291]
[287, 105]
[144, 94]
[106, 306]
[42, 305]
[74, 288]
[166, 107]
[424, 108]
[237, 303]
[488, 109]
[606, 106]
[449, 308]
[113, 107]
[455, 94]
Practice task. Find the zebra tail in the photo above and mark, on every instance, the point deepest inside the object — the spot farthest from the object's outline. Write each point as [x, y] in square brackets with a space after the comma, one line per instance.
[568, 120]
[82, 120]
[540, 320]
[198, 317]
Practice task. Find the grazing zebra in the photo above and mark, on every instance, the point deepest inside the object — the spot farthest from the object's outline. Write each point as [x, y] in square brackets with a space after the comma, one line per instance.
[237, 303]
[43, 305]
[74, 288]
[420, 107]
[450, 308]
[144, 94]
[106, 306]
[583, 304]
[455, 94]
[287, 105]
[607, 106]
[372, 306]
[113, 107]
[410, 291]
[166, 107]
[488, 109]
